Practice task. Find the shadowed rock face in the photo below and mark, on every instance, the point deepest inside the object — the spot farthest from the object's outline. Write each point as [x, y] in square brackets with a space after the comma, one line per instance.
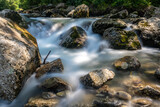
[19, 58]
[75, 37]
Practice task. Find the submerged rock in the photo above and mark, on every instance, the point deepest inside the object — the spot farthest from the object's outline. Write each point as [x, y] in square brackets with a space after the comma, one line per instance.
[141, 102]
[75, 37]
[81, 11]
[150, 32]
[97, 78]
[19, 58]
[55, 66]
[42, 102]
[127, 63]
[55, 85]
[121, 39]
[149, 91]
[123, 95]
[157, 73]
[48, 95]
[101, 25]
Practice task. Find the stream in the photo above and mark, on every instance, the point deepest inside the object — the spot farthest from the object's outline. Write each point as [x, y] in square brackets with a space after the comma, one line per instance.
[78, 62]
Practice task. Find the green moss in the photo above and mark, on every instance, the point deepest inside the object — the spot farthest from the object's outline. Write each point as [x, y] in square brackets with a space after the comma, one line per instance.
[75, 33]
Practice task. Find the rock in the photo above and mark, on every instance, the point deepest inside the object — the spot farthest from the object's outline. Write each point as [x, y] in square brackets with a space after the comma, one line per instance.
[123, 95]
[122, 14]
[150, 32]
[127, 63]
[56, 15]
[81, 11]
[48, 12]
[70, 8]
[70, 14]
[48, 95]
[101, 25]
[61, 5]
[121, 39]
[152, 11]
[55, 85]
[157, 73]
[141, 102]
[41, 102]
[97, 78]
[14, 16]
[75, 37]
[109, 102]
[149, 91]
[134, 14]
[19, 56]
[55, 66]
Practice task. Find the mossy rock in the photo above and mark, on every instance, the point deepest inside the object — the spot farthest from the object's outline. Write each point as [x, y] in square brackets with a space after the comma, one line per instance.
[121, 39]
[74, 38]
[101, 25]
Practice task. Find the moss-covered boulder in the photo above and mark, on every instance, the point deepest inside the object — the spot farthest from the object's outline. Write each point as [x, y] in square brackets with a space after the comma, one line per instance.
[127, 63]
[19, 58]
[149, 30]
[101, 25]
[122, 14]
[81, 11]
[121, 39]
[75, 37]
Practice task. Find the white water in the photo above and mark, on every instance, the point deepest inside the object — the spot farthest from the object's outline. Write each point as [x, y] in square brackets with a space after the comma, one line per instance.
[76, 62]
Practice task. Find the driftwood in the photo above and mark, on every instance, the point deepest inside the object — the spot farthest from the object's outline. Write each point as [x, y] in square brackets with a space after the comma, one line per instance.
[46, 57]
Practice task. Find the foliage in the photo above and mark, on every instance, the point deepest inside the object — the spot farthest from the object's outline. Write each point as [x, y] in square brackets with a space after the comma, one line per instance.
[99, 4]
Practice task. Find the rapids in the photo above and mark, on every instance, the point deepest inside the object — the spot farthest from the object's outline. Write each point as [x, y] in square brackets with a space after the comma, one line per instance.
[78, 62]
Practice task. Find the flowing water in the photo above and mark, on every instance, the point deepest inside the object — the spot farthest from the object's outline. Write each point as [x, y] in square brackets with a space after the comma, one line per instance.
[78, 62]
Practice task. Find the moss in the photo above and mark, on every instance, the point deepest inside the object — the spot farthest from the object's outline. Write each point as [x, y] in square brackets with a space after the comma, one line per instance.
[75, 33]
[144, 24]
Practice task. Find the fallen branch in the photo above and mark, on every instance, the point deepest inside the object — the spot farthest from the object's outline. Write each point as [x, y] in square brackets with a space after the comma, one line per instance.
[46, 57]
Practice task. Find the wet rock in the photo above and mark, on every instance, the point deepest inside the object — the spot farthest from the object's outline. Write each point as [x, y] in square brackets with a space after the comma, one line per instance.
[122, 14]
[81, 11]
[14, 16]
[97, 78]
[62, 93]
[48, 95]
[19, 58]
[123, 95]
[55, 66]
[70, 14]
[48, 12]
[70, 8]
[149, 91]
[149, 30]
[141, 102]
[75, 37]
[157, 73]
[152, 11]
[101, 25]
[55, 85]
[41, 102]
[121, 39]
[127, 63]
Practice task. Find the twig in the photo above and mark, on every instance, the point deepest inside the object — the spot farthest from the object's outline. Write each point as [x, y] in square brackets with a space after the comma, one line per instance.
[46, 57]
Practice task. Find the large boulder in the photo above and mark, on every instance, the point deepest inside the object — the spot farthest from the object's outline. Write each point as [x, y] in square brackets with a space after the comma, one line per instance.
[101, 25]
[19, 58]
[55, 66]
[152, 11]
[55, 85]
[14, 16]
[150, 32]
[75, 37]
[127, 63]
[81, 11]
[97, 78]
[122, 14]
[121, 39]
